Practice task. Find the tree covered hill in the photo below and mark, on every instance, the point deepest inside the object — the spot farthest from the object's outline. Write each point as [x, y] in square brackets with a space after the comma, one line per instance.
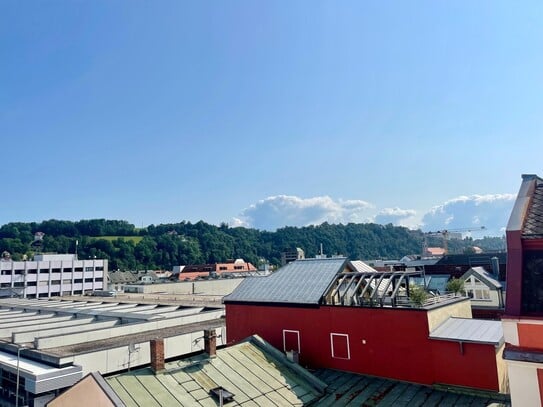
[163, 246]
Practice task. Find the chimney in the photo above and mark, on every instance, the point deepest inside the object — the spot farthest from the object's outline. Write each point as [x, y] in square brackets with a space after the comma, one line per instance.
[157, 355]
[210, 342]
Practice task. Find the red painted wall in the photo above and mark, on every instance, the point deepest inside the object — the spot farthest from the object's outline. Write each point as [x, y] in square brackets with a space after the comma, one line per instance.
[383, 342]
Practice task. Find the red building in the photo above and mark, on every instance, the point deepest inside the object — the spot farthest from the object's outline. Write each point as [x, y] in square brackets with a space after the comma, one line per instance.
[523, 319]
[331, 316]
[234, 268]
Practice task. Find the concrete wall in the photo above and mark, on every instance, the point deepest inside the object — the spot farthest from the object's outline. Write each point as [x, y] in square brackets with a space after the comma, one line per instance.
[205, 287]
[130, 357]
[439, 315]
[524, 385]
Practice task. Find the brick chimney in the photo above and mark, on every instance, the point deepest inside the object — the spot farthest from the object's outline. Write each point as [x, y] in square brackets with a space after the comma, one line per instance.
[210, 342]
[157, 355]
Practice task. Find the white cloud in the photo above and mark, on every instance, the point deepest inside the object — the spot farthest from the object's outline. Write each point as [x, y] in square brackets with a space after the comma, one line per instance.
[397, 216]
[286, 210]
[491, 211]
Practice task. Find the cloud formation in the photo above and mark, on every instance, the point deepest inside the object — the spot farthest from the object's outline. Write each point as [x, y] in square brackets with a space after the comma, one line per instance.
[397, 216]
[491, 211]
[286, 210]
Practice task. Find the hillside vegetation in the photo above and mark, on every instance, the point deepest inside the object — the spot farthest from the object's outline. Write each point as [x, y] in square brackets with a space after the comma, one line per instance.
[163, 246]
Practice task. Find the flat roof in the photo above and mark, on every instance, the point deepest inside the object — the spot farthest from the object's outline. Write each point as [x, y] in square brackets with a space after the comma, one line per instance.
[469, 330]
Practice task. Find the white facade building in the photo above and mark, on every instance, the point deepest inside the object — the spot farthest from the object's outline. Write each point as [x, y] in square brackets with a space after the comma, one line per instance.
[52, 275]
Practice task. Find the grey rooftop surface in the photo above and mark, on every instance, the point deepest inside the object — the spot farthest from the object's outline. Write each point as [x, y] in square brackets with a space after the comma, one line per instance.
[253, 371]
[300, 282]
[469, 330]
[350, 389]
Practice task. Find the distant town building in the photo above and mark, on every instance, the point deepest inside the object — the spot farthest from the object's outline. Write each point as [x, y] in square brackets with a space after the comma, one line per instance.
[52, 275]
[233, 268]
[434, 251]
[292, 255]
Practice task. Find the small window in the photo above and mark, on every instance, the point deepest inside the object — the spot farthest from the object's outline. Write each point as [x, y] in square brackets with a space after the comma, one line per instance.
[340, 346]
[291, 340]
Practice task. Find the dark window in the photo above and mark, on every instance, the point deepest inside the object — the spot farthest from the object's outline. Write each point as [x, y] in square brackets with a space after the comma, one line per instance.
[32, 271]
[291, 340]
[532, 282]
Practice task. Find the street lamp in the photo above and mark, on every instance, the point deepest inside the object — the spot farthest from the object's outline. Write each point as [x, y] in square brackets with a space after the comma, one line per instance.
[19, 348]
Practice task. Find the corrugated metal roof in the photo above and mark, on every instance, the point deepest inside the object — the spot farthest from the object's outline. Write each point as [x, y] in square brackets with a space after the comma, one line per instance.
[469, 330]
[301, 282]
[253, 371]
[362, 267]
[350, 389]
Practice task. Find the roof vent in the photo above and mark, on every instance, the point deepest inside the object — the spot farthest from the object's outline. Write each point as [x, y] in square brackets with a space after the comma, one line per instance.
[222, 395]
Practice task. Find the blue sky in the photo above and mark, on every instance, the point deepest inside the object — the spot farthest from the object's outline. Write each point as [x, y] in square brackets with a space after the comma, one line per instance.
[269, 113]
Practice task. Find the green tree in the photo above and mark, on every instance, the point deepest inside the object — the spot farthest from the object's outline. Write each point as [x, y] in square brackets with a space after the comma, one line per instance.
[456, 286]
[417, 295]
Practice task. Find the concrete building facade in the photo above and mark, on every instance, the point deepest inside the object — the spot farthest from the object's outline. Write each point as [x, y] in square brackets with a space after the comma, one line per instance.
[52, 275]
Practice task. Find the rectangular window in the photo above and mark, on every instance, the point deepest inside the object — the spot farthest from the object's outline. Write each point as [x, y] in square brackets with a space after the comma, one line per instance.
[90, 268]
[291, 340]
[339, 344]
[532, 281]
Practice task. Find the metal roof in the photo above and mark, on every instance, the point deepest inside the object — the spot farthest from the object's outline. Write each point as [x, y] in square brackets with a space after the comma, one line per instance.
[359, 390]
[253, 371]
[469, 330]
[533, 224]
[362, 267]
[302, 282]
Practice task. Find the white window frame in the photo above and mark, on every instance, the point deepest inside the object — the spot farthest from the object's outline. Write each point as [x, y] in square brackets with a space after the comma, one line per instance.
[332, 334]
[284, 339]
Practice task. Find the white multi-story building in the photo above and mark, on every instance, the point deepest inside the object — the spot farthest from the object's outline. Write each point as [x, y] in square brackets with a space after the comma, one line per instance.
[52, 275]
